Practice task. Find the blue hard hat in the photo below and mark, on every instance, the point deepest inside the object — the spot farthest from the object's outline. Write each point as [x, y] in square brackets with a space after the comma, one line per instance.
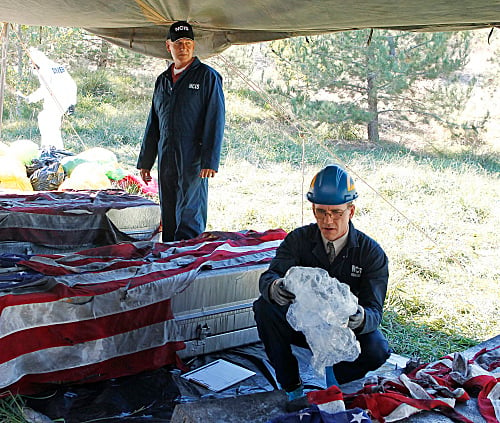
[332, 186]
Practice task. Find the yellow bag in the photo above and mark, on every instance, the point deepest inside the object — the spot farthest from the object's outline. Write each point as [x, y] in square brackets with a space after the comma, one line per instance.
[24, 151]
[101, 156]
[13, 175]
[86, 176]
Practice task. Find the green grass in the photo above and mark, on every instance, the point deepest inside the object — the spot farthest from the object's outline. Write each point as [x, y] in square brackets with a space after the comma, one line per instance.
[434, 205]
[437, 229]
[11, 409]
[434, 211]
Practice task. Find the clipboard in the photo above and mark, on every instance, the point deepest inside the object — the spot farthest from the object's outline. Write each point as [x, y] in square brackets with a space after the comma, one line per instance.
[218, 375]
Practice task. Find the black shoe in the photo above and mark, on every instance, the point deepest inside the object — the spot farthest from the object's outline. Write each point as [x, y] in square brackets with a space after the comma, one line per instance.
[297, 404]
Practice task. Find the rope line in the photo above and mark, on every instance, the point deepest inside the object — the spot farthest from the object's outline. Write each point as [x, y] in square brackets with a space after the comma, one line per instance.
[281, 111]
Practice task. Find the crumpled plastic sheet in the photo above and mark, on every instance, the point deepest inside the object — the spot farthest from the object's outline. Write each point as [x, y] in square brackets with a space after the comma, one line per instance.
[321, 310]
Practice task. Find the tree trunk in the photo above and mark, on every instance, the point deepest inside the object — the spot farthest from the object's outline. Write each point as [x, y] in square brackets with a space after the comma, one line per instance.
[5, 43]
[20, 54]
[373, 135]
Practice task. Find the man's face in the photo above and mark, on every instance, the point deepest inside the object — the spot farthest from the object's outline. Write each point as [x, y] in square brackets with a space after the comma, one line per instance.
[182, 51]
[333, 221]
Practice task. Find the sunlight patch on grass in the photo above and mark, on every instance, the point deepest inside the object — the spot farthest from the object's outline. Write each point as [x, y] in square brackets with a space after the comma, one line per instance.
[438, 228]
[244, 110]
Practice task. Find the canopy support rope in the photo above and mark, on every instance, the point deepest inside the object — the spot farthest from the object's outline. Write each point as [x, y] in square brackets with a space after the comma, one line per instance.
[281, 111]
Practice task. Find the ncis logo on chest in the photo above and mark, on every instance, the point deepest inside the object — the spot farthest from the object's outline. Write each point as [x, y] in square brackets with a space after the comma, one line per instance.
[356, 271]
[193, 86]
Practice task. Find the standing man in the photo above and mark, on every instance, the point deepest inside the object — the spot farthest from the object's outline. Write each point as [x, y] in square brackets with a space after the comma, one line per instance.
[185, 129]
[350, 256]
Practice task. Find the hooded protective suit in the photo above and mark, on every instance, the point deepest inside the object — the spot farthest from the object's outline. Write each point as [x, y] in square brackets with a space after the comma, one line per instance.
[58, 92]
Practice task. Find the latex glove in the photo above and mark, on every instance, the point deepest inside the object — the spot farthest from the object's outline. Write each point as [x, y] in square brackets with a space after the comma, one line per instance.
[357, 319]
[279, 294]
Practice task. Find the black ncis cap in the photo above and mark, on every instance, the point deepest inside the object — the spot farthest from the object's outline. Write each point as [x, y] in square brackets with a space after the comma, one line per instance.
[180, 29]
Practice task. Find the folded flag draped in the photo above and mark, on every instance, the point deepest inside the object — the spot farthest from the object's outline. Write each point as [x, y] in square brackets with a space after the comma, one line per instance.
[69, 219]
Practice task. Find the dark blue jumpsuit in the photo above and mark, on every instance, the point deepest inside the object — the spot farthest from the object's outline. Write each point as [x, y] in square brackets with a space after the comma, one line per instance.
[185, 129]
[361, 264]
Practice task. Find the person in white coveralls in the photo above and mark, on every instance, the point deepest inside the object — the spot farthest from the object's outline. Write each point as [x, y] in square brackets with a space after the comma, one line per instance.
[58, 91]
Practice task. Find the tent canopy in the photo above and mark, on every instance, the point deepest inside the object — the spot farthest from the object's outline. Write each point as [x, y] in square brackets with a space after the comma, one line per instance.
[141, 25]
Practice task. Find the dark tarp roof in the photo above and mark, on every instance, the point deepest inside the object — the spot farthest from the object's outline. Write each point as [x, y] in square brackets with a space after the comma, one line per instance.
[141, 25]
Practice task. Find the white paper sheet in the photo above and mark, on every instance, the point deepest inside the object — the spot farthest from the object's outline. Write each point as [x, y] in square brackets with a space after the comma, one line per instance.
[218, 375]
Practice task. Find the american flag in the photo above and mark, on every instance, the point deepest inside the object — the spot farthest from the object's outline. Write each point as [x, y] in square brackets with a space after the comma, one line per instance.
[105, 312]
[315, 415]
[438, 386]
[70, 219]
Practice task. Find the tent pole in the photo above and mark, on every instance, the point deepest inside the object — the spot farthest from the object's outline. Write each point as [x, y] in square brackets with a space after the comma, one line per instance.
[5, 43]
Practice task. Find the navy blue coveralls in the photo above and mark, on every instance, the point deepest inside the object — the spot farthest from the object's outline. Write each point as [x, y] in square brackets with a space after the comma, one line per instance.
[361, 264]
[185, 129]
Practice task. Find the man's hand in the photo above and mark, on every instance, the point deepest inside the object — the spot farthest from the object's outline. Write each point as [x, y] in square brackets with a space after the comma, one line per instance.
[146, 175]
[207, 173]
[279, 294]
[357, 319]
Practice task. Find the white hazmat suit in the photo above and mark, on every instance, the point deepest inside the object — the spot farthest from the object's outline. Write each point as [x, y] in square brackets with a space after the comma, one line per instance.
[58, 92]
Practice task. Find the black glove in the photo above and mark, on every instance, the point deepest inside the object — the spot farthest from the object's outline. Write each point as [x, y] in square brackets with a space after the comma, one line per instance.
[356, 320]
[278, 294]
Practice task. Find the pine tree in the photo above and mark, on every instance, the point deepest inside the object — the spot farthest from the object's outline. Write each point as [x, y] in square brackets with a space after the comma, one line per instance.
[355, 77]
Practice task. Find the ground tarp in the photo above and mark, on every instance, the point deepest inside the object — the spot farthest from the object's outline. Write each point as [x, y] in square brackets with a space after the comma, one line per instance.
[152, 396]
